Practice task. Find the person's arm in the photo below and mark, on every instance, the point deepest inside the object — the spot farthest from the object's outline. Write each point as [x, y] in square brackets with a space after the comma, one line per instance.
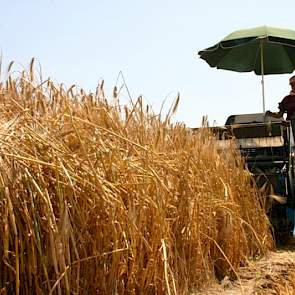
[282, 110]
[275, 115]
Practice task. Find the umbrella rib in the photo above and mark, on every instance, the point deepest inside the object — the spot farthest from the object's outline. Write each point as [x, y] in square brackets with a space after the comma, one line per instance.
[213, 48]
[255, 62]
[289, 57]
[235, 46]
[281, 43]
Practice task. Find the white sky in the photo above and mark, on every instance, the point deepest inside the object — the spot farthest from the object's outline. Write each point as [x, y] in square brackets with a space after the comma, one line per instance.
[155, 45]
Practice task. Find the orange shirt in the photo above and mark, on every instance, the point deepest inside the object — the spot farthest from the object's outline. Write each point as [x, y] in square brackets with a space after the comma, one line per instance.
[287, 105]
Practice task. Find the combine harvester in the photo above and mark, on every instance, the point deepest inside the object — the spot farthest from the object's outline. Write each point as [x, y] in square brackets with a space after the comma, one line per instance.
[267, 145]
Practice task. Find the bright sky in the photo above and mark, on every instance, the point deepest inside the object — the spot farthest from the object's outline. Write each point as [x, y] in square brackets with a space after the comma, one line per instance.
[153, 42]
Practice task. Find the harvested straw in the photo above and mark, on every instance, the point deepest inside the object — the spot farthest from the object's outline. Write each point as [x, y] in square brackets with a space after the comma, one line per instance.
[103, 199]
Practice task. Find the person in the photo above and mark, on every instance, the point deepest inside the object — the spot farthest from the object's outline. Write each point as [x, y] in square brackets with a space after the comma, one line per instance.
[287, 105]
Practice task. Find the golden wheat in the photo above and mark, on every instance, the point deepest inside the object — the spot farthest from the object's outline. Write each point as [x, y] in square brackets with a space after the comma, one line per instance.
[98, 198]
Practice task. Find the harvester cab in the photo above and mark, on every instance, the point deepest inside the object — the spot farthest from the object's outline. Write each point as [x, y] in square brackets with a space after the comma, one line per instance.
[267, 145]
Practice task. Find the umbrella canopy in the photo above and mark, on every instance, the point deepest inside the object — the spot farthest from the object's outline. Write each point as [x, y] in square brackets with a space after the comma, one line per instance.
[264, 50]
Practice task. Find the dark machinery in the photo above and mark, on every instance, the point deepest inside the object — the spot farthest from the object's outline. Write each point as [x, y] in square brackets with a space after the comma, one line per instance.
[267, 144]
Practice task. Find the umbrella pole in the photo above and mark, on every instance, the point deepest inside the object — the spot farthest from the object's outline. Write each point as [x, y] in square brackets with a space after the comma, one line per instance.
[262, 74]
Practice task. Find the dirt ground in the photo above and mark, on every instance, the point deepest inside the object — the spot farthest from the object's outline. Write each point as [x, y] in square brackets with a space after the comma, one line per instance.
[273, 274]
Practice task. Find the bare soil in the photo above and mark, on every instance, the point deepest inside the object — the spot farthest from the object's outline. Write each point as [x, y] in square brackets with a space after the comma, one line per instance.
[273, 274]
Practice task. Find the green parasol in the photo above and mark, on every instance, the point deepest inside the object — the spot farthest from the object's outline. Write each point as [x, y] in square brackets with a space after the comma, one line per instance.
[264, 50]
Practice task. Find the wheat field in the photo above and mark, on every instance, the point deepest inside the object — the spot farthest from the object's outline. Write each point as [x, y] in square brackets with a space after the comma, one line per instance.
[102, 198]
